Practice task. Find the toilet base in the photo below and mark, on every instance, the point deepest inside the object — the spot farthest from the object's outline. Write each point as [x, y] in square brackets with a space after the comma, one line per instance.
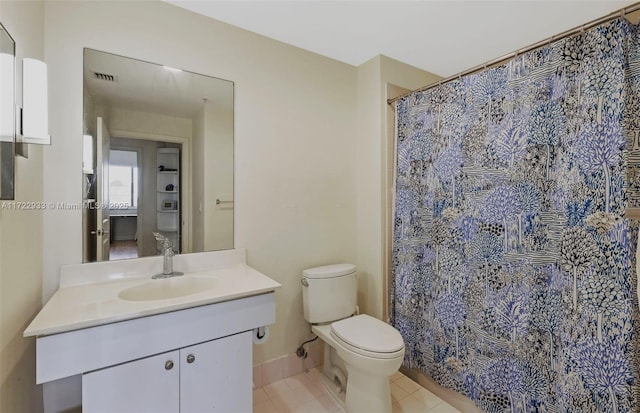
[367, 393]
[333, 376]
[334, 390]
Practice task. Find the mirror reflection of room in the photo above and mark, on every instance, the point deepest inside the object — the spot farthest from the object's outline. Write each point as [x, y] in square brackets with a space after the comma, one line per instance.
[126, 169]
[147, 128]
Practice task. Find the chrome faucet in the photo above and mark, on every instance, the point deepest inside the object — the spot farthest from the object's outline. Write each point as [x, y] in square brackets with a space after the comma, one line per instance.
[167, 252]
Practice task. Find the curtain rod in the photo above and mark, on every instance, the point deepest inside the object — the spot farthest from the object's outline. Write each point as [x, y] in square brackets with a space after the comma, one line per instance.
[611, 16]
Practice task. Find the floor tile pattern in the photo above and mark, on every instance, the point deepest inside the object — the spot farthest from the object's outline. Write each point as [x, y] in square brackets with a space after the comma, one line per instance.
[305, 393]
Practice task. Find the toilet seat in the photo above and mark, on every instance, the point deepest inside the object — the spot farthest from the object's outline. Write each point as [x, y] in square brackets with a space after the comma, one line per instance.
[368, 336]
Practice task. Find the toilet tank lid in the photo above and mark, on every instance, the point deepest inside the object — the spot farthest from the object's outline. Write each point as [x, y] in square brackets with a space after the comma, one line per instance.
[329, 271]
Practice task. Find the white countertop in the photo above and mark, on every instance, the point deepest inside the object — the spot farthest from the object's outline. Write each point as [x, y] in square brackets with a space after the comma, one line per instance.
[77, 306]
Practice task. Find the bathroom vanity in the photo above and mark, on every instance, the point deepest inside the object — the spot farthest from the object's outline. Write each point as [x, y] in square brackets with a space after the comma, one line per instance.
[182, 344]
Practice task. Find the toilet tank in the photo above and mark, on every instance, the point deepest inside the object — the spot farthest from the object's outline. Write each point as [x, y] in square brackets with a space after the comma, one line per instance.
[329, 293]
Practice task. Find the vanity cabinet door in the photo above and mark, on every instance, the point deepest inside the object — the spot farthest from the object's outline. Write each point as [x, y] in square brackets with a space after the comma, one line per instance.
[146, 385]
[216, 376]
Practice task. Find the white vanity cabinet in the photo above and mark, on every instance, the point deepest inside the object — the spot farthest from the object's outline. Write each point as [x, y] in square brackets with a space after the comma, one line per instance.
[108, 351]
[124, 364]
[214, 376]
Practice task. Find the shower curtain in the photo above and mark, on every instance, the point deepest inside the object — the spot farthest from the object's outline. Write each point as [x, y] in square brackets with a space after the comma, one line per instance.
[514, 273]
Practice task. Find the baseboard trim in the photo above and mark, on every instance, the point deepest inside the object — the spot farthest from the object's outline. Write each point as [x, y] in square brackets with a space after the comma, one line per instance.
[457, 400]
[285, 366]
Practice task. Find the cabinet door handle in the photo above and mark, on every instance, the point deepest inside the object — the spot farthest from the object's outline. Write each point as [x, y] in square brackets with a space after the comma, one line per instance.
[191, 358]
[168, 365]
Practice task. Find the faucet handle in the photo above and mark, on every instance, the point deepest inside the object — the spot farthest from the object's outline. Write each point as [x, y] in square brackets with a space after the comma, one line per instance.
[166, 243]
[160, 237]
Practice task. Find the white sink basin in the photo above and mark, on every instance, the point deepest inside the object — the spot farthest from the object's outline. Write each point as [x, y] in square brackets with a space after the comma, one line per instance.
[164, 288]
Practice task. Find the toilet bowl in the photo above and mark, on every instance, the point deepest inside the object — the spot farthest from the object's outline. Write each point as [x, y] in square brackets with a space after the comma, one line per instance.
[371, 352]
[368, 349]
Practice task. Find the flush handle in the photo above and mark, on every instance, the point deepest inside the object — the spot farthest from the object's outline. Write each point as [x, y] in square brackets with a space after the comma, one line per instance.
[168, 365]
[304, 282]
[191, 358]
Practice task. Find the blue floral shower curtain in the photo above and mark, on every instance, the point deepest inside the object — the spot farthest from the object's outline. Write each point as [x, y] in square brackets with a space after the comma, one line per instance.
[514, 276]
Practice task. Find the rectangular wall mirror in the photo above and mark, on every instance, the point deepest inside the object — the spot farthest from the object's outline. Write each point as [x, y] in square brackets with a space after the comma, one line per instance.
[7, 114]
[158, 157]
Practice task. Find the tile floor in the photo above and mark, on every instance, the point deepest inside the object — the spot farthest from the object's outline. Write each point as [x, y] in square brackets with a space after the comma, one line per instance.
[305, 393]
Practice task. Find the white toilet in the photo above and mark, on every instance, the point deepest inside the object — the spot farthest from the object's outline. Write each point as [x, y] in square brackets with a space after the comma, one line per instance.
[360, 352]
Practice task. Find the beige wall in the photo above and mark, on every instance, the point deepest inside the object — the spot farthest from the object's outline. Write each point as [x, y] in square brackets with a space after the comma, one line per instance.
[374, 162]
[21, 238]
[294, 139]
[368, 158]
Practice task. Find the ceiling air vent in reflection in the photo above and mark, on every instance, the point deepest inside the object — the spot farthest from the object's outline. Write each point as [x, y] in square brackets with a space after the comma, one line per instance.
[105, 76]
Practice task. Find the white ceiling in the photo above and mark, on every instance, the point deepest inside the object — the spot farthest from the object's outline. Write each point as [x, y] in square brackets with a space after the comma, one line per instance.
[442, 37]
[148, 87]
